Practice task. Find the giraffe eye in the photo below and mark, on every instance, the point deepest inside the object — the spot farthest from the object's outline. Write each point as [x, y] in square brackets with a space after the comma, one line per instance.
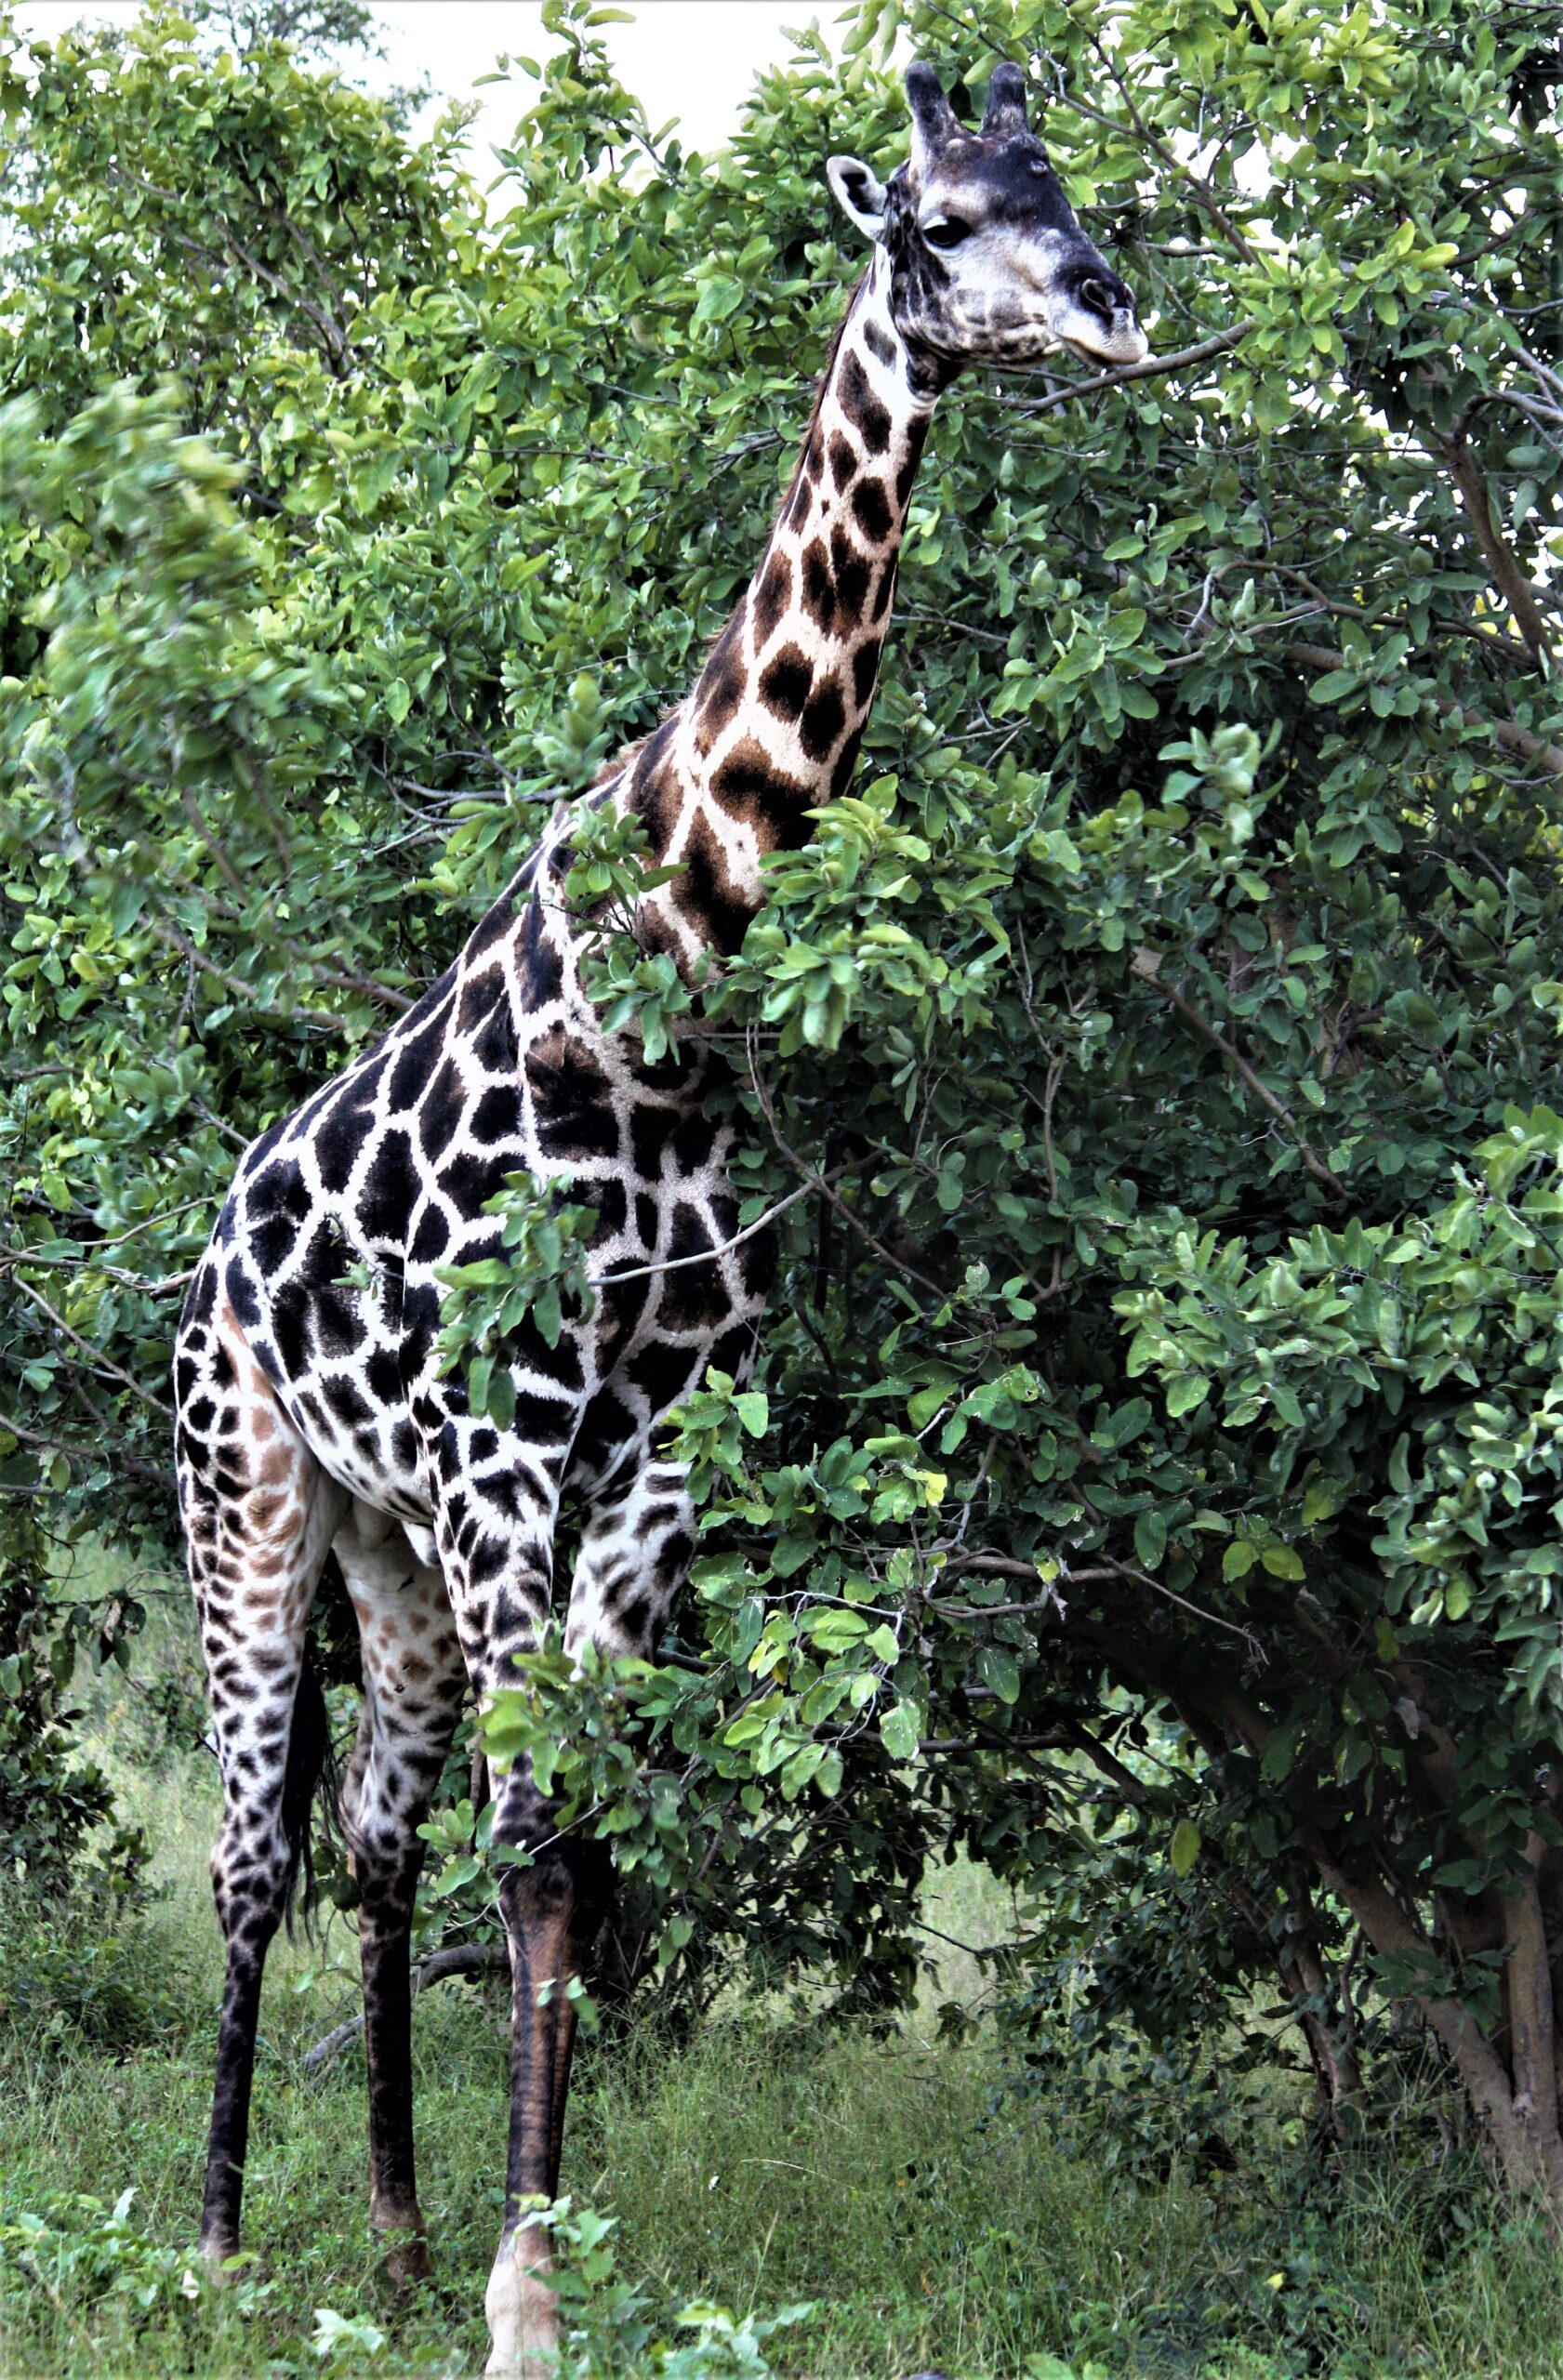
[946, 231]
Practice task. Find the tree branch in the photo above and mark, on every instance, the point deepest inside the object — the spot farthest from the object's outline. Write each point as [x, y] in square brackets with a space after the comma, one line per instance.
[1501, 563]
[1204, 195]
[470, 1958]
[709, 1255]
[86, 1456]
[1526, 2162]
[1150, 369]
[170, 933]
[1507, 732]
[97, 1362]
[1146, 965]
[817, 1181]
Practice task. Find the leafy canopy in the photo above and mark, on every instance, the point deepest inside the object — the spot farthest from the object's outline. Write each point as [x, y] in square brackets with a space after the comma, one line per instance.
[1153, 1477]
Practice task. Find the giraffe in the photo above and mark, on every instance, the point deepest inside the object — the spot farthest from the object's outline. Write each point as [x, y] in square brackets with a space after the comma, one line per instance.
[313, 1419]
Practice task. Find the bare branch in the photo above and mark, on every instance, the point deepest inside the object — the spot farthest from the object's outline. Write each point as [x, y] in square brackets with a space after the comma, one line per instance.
[817, 1181]
[709, 1255]
[470, 1958]
[99, 1362]
[1146, 965]
[170, 933]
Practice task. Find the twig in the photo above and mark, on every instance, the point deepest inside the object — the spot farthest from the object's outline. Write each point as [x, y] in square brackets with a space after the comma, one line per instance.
[1056, 1068]
[1202, 193]
[1197, 1611]
[150, 1222]
[335, 341]
[1102, 1568]
[1146, 965]
[817, 1181]
[709, 1255]
[970, 1949]
[1501, 563]
[99, 1361]
[1114, 1769]
[471, 1957]
[236, 985]
[962, 627]
[1152, 366]
[163, 1289]
[1052, 1602]
[88, 1456]
[1502, 647]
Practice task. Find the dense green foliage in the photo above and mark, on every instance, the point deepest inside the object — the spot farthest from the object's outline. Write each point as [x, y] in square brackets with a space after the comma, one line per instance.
[1153, 1479]
[929, 2215]
[54, 1805]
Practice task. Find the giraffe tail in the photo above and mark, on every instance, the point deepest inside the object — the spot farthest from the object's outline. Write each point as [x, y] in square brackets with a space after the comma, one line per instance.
[312, 1771]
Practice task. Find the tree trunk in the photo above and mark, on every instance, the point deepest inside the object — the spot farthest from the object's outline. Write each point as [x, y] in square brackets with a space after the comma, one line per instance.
[1511, 2077]
[1326, 2030]
[1513, 2096]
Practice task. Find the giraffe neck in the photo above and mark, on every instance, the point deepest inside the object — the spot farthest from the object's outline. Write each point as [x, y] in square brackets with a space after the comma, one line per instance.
[772, 726]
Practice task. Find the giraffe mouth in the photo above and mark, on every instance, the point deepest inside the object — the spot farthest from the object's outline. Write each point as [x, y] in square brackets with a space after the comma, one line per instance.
[1117, 357]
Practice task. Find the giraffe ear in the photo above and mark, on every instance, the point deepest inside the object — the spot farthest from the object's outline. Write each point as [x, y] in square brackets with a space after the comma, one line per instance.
[859, 192]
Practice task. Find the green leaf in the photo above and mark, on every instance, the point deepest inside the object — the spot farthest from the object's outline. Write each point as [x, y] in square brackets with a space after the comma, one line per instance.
[1334, 685]
[899, 1731]
[1185, 1848]
[1150, 1538]
[999, 1671]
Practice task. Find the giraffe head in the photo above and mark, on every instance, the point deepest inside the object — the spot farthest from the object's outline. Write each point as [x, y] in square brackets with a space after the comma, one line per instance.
[988, 264]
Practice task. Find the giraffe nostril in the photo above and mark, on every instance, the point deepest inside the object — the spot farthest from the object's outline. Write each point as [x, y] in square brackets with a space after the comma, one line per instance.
[1095, 295]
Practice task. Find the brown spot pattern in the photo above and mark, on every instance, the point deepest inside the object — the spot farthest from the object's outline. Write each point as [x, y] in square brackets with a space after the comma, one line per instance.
[787, 682]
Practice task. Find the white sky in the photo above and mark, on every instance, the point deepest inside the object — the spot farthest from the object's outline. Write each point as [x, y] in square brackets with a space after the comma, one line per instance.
[690, 58]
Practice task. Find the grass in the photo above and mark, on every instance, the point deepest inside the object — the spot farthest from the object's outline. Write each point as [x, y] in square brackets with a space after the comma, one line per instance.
[933, 2214]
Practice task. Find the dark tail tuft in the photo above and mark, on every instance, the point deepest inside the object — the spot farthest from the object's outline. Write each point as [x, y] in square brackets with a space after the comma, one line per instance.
[312, 1770]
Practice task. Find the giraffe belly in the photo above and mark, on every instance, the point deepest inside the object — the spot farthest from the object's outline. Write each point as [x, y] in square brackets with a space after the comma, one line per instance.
[343, 1218]
[331, 1352]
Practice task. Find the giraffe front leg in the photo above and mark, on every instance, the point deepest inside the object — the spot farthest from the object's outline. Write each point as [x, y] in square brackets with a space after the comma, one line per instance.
[495, 1530]
[553, 1911]
[636, 1541]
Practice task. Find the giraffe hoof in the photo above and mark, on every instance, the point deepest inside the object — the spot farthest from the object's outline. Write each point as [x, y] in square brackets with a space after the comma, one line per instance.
[407, 2260]
[217, 2257]
[523, 2312]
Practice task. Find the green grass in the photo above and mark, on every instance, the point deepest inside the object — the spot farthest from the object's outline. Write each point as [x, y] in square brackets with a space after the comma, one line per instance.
[933, 2214]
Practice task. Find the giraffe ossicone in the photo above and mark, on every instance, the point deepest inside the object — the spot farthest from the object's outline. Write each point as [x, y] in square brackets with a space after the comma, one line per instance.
[312, 1417]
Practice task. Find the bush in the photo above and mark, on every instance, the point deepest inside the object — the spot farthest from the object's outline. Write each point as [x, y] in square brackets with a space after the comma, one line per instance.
[1158, 1458]
[80, 1970]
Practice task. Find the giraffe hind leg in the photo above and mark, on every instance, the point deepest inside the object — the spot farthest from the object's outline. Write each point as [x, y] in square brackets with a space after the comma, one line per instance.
[415, 1681]
[259, 1516]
